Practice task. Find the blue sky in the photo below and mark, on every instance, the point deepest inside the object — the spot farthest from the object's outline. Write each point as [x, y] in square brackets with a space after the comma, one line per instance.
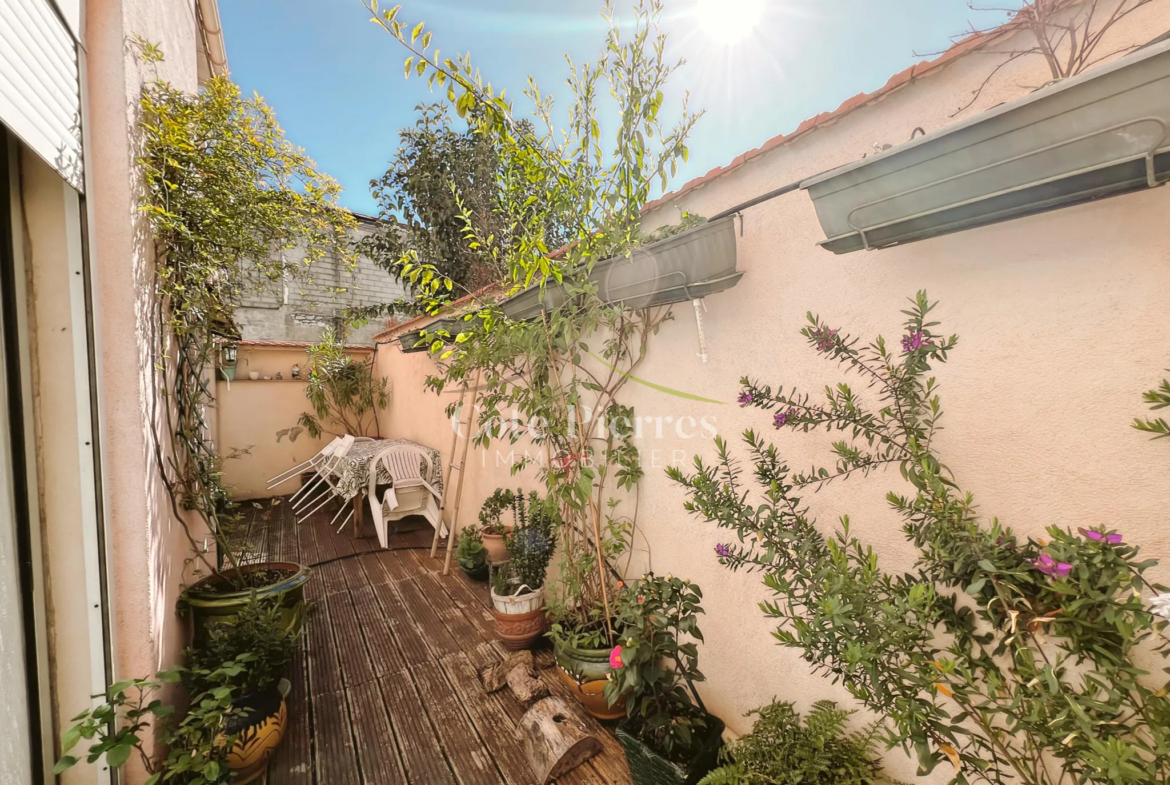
[336, 80]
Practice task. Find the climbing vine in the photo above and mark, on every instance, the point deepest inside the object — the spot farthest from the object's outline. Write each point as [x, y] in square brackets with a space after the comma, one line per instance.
[231, 205]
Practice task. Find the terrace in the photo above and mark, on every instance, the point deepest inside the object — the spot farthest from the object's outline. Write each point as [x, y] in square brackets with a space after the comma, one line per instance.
[385, 685]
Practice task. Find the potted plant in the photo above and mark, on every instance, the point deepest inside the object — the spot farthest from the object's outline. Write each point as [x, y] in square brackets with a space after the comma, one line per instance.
[518, 586]
[220, 597]
[491, 526]
[583, 662]
[256, 725]
[783, 748]
[667, 735]
[236, 713]
[471, 555]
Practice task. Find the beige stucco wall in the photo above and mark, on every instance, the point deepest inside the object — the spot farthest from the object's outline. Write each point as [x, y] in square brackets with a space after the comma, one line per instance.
[1061, 319]
[249, 415]
[148, 547]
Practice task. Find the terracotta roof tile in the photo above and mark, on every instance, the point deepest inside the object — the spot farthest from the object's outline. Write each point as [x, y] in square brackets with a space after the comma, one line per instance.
[906, 76]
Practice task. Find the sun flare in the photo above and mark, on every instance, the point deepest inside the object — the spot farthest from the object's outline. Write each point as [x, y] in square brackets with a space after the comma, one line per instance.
[728, 21]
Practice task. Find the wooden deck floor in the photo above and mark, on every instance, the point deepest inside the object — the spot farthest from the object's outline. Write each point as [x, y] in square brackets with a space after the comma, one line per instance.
[385, 688]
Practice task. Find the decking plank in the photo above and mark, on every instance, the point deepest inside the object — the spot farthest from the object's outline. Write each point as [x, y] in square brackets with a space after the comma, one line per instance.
[434, 633]
[324, 671]
[385, 687]
[407, 635]
[421, 752]
[385, 654]
[336, 758]
[352, 655]
[452, 617]
[377, 749]
[463, 746]
[494, 725]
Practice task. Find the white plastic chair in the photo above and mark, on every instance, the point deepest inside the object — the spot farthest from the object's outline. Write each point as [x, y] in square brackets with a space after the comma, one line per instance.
[303, 466]
[411, 492]
[324, 478]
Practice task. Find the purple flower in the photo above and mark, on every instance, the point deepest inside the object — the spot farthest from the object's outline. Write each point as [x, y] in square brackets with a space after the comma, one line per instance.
[1049, 566]
[722, 550]
[745, 398]
[782, 417]
[914, 341]
[1096, 536]
[826, 338]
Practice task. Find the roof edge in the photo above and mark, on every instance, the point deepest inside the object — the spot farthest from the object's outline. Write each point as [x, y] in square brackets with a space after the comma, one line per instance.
[897, 81]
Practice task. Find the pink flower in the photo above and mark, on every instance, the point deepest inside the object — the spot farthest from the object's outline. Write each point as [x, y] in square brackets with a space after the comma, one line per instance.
[745, 399]
[1049, 566]
[1096, 536]
[615, 658]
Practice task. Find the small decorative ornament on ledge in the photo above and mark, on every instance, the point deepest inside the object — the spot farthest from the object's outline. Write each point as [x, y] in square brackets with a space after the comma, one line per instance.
[296, 371]
[279, 376]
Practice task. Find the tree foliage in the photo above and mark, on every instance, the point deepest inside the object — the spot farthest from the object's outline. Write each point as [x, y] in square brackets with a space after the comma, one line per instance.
[438, 173]
[1011, 658]
[568, 199]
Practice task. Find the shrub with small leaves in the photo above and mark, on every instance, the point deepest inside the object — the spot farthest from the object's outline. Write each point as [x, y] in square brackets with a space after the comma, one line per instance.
[783, 749]
[1011, 658]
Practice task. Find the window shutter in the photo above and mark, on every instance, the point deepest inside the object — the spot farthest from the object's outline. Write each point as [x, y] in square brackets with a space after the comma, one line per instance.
[40, 95]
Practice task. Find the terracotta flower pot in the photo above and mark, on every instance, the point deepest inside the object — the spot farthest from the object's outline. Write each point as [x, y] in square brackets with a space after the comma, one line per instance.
[494, 545]
[519, 630]
[591, 695]
[258, 733]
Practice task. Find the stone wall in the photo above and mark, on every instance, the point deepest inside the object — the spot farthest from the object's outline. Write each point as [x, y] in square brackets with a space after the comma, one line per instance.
[298, 310]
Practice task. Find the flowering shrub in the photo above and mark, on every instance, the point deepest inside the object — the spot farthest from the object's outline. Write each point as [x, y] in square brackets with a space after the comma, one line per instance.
[1009, 657]
[654, 668]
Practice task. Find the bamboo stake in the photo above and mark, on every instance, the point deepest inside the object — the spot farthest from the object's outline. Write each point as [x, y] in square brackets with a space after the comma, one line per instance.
[450, 468]
[462, 473]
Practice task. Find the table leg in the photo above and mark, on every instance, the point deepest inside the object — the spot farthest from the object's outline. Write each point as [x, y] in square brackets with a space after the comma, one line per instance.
[359, 515]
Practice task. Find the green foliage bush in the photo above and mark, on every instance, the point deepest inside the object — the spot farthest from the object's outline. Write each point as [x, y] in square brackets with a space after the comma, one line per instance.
[783, 749]
[342, 390]
[1011, 658]
[231, 206]
[470, 552]
[259, 631]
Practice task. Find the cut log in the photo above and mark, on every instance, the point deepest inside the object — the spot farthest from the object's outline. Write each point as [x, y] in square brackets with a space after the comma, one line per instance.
[525, 686]
[495, 677]
[555, 739]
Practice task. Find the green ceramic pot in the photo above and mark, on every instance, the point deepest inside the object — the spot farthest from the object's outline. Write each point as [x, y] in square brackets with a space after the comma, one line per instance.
[209, 607]
[647, 767]
[582, 664]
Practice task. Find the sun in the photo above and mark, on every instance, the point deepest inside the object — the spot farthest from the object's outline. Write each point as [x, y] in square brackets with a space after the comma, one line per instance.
[728, 21]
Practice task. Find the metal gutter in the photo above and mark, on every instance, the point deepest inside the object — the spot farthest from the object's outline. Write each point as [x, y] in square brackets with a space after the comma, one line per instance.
[1099, 134]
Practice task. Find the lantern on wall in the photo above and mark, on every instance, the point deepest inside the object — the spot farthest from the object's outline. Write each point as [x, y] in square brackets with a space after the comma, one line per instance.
[227, 360]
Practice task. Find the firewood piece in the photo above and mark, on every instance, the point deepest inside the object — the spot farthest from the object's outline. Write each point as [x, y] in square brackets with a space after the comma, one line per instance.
[555, 739]
[495, 677]
[525, 686]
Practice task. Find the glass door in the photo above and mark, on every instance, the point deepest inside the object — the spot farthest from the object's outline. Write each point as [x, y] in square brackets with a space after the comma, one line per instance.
[20, 737]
